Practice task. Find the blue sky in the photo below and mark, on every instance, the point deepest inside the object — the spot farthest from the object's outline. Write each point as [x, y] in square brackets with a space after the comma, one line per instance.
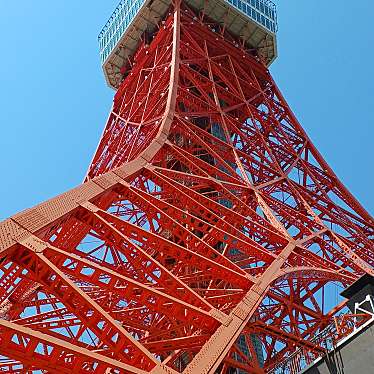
[54, 100]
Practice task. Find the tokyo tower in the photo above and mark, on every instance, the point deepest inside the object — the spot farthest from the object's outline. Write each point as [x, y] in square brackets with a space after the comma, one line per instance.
[209, 232]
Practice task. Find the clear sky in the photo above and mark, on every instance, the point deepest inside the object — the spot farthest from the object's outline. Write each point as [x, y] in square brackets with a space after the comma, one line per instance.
[54, 101]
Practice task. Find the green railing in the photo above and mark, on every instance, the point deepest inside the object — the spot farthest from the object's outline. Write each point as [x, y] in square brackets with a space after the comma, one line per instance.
[116, 26]
[263, 12]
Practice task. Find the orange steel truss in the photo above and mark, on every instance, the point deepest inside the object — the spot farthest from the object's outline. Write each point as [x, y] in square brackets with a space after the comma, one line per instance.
[207, 218]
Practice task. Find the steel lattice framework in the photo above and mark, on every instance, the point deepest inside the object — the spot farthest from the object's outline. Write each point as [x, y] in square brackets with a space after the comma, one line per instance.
[208, 222]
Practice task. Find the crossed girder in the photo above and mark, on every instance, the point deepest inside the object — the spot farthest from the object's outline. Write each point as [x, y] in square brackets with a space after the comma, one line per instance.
[208, 222]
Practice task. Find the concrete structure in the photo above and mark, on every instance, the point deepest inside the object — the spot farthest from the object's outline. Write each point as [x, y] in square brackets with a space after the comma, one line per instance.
[353, 355]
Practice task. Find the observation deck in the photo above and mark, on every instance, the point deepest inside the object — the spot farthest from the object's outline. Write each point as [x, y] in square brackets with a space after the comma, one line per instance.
[254, 21]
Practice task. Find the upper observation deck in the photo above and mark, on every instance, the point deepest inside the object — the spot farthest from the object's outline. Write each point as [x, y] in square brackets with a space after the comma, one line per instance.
[254, 21]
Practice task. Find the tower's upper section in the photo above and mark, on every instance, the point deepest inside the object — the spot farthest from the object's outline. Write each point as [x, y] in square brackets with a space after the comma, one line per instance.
[254, 21]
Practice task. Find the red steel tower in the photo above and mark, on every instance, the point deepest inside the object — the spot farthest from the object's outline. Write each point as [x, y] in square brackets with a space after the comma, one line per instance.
[209, 232]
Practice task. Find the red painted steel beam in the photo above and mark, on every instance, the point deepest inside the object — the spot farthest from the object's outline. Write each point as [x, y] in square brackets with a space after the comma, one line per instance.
[206, 214]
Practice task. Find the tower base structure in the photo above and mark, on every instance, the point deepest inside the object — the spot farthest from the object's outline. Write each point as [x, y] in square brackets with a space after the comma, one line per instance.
[208, 226]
